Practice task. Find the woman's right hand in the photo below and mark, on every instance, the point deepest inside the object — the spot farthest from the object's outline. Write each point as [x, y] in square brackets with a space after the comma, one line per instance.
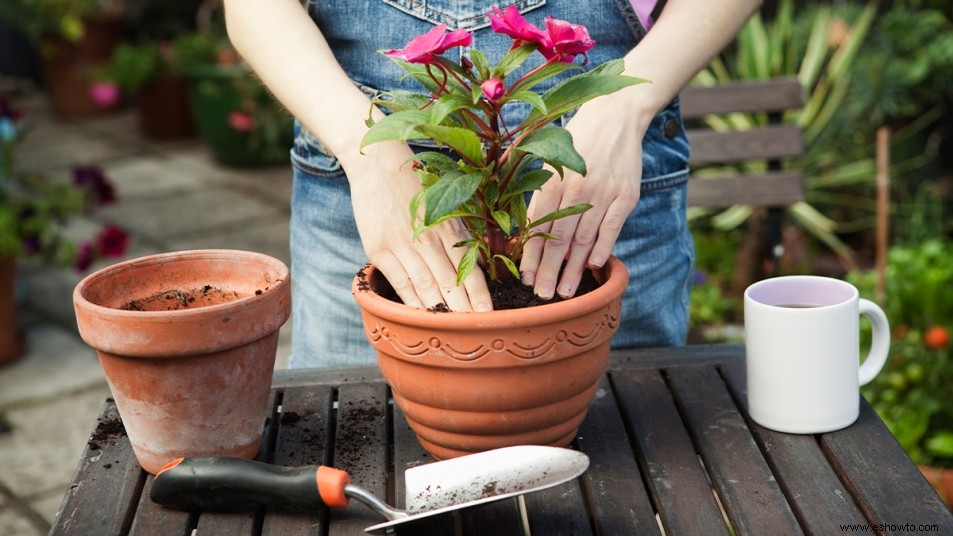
[422, 271]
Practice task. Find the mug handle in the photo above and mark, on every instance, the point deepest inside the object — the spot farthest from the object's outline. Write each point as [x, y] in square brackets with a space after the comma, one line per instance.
[880, 345]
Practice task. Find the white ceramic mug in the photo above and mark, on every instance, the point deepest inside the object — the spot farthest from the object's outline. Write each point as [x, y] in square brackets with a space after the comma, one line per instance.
[803, 352]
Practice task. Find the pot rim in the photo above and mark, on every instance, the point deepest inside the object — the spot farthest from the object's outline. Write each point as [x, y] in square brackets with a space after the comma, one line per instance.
[79, 292]
[613, 276]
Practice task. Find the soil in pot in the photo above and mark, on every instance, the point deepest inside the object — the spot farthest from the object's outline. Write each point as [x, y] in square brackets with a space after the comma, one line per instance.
[175, 299]
[506, 293]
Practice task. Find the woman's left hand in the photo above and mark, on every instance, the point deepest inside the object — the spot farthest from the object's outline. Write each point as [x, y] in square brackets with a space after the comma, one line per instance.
[612, 149]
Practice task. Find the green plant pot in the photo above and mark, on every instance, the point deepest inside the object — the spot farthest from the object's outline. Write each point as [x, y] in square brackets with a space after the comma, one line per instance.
[214, 93]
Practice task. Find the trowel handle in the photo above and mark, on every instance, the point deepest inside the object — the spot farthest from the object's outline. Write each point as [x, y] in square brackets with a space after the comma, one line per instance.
[224, 483]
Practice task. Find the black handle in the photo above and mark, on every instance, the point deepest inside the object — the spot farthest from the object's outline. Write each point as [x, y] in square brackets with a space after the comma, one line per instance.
[223, 483]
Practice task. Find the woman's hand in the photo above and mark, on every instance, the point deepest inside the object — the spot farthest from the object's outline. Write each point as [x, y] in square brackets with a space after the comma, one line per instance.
[422, 271]
[612, 149]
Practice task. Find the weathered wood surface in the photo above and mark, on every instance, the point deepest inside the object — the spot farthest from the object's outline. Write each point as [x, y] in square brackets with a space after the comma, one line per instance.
[668, 437]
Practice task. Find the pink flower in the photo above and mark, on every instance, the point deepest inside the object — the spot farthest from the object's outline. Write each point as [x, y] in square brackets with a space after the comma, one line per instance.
[513, 24]
[423, 48]
[493, 89]
[568, 40]
[241, 121]
[104, 94]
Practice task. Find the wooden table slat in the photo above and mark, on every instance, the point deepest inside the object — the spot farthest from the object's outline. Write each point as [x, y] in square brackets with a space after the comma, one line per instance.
[678, 485]
[107, 483]
[620, 502]
[884, 481]
[818, 497]
[302, 440]
[361, 449]
[745, 484]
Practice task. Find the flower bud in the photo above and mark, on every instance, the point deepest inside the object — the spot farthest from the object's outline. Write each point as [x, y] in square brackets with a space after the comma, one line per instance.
[493, 89]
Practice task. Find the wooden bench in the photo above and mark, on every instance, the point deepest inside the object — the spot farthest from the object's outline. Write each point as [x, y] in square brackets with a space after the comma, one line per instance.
[745, 167]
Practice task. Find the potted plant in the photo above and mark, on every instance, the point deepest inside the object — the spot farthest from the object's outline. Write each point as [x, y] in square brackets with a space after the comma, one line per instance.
[155, 74]
[461, 379]
[187, 341]
[74, 38]
[912, 393]
[34, 214]
[236, 116]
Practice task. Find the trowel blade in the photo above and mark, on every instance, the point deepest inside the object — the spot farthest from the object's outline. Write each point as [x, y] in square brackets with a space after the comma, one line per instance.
[456, 483]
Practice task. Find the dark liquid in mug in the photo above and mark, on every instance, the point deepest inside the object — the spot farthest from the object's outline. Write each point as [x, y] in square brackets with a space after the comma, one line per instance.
[798, 305]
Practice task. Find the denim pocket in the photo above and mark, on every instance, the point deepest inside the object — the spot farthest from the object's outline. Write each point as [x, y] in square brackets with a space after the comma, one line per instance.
[469, 15]
[665, 150]
[311, 156]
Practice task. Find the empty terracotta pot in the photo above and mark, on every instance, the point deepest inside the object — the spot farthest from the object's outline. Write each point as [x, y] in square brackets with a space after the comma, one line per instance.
[468, 382]
[187, 341]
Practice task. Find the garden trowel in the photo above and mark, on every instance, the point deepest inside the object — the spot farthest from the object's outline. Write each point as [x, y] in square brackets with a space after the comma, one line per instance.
[217, 483]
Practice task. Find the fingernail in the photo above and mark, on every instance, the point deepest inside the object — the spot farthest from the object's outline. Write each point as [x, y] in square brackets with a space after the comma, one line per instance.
[596, 262]
[483, 307]
[529, 279]
[565, 292]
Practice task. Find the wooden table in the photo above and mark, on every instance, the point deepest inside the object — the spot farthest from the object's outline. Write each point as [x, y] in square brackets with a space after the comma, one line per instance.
[668, 437]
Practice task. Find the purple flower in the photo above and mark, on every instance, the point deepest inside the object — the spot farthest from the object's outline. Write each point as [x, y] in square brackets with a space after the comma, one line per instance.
[84, 257]
[92, 179]
[112, 241]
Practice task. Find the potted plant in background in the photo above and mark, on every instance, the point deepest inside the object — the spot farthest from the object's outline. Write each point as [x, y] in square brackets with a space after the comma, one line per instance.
[74, 38]
[239, 121]
[461, 379]
[34, 214]
[912, 394]
[155, 74]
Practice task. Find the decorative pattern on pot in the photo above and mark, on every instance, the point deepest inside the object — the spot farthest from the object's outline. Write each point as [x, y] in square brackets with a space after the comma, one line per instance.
[581, 341]
[466, 382]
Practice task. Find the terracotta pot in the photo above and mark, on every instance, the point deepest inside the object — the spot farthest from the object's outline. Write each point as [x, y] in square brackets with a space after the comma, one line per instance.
[68, 67]
[163, 108]
[468, 382]
[12, 338]
[192, 381]
[942, 481]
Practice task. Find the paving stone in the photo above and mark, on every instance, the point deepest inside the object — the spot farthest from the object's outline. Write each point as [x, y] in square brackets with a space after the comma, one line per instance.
[56, 364]
[42, 451]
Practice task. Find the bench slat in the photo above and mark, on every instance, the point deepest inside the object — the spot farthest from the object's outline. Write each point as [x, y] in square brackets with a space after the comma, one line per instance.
[768, 190]
[768, 96]
[770, 142]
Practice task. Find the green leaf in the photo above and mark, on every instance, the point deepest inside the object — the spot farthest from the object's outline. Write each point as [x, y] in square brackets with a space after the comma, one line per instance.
[439, 161]
[530, 97]
[510, 265]
[529, 182]
[401, 126]
[554, 145]
[570, 94]
[513, 60]
[543, 73]
[941, 444]
[465, 142]
[467, 263]
[561, 213]
[451, 191]
[401, 100]
[502, 219]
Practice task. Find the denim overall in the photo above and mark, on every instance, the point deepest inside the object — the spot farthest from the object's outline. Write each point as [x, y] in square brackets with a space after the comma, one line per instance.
[326, 250]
